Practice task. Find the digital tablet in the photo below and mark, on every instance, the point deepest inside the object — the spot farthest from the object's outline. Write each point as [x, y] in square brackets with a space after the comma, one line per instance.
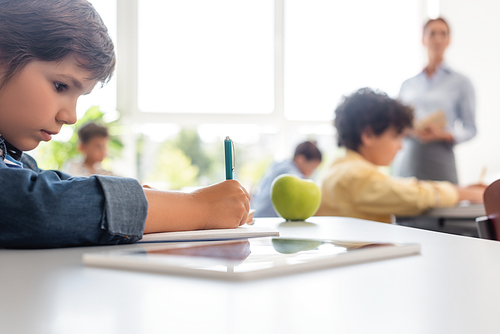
[248, 258]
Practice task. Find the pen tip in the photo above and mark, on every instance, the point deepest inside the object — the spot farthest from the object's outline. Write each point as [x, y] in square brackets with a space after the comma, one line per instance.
[227, 138]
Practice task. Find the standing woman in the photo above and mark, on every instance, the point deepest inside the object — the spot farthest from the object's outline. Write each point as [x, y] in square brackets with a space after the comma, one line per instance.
[440, 93]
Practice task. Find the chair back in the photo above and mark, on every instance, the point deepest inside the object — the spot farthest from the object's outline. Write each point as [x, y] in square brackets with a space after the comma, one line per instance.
[489, 228]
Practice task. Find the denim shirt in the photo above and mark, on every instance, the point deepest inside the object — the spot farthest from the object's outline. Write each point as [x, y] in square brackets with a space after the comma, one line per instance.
[46, 208]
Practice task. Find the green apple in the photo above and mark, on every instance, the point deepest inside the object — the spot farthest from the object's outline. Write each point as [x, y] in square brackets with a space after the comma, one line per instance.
[290, 246]
[294, 198]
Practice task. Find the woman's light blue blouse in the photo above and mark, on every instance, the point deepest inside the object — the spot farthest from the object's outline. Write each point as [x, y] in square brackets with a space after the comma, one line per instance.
[446, 90]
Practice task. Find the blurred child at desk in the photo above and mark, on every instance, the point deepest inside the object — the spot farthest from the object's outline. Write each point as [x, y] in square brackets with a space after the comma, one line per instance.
[51, 53]
[306, 159]
[371, 126]
[93, 144]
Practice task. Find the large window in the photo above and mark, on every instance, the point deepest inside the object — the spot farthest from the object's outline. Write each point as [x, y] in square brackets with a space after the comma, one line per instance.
[266, 73]
[199, 56]
[335, 47]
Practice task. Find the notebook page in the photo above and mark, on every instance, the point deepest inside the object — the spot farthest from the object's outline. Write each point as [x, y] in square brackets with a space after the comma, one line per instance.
[244, 231]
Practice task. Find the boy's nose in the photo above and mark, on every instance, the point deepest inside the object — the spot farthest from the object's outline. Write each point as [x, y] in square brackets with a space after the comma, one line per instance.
[67, 114]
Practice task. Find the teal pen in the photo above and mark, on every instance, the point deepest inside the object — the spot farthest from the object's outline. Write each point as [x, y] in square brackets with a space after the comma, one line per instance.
[229, 157]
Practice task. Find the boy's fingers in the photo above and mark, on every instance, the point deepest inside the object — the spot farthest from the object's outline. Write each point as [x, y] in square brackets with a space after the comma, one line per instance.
[245, 191]
[243, 219]
[241, 188]
[250, 217]
[247, 206]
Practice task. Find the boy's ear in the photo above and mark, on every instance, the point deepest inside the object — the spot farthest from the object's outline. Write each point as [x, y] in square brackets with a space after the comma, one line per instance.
[80, 147]
[299, 159]
[367, 136]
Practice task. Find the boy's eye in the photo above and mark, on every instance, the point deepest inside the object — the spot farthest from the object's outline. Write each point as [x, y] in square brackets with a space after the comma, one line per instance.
[60, 87]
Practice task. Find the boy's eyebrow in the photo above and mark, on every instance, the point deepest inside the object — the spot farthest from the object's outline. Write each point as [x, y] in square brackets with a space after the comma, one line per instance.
[75, 82]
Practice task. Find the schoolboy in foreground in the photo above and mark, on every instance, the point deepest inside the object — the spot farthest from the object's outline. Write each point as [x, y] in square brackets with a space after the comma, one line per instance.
[51, 53]
[371, 126]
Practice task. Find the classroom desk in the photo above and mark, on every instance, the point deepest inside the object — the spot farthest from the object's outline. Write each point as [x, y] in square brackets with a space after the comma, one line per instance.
[452, 287]
[461, 211]
[460, 219]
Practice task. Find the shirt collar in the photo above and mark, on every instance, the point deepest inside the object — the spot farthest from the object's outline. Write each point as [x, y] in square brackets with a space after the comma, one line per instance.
[6, 147]
[443, 67]
[354, 154]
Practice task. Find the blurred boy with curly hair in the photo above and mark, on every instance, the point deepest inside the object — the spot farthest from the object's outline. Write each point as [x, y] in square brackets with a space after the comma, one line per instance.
[371, 126]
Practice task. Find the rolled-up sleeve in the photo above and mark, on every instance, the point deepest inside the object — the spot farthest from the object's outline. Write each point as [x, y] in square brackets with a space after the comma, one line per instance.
[47, 209]
[125, 206]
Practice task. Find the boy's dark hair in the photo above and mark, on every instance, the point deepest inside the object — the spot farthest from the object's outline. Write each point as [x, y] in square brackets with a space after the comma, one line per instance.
[309, 150]
[91, 130]
[439, 19]
[368, 109]
[50, 30]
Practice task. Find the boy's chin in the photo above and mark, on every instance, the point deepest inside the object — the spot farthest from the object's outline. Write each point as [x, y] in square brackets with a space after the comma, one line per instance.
[27, 146]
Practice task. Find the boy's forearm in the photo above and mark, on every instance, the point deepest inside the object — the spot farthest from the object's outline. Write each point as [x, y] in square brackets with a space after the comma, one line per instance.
[222, 205]
[169, 211]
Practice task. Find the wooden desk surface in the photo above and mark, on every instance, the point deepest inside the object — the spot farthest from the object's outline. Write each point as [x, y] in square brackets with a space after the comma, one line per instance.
[452, 287]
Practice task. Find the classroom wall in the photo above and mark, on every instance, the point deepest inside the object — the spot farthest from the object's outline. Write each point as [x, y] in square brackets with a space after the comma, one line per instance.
[475, 51]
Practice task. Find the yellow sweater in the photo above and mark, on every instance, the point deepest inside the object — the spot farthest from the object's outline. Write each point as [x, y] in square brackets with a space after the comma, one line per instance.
[354, 187]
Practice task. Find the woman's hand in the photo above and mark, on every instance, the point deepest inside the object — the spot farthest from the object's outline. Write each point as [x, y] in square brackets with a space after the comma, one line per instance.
[432, 133]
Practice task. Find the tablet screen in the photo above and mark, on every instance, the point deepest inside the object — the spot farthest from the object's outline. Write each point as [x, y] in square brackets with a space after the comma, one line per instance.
[250, 258]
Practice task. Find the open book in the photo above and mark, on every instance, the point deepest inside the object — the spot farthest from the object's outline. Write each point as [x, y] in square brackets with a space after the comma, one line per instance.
[437, 117]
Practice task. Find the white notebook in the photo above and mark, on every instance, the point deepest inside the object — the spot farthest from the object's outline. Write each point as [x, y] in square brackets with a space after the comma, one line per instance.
[244, 231]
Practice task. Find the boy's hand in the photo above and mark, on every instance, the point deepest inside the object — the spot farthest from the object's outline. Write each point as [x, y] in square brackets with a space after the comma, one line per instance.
[223, 205]
[472, 193]
[480, 186]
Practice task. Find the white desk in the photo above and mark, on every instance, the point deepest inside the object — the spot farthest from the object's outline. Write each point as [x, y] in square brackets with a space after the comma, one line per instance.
[452, 287]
